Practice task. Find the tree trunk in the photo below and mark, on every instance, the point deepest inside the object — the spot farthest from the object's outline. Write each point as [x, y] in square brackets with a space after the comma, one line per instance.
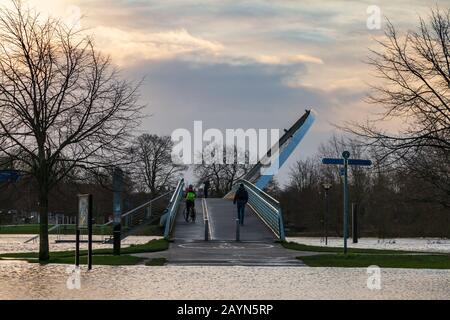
[44, 254]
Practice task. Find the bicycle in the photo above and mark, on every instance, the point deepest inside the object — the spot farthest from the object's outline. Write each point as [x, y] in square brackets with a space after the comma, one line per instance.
[189, 217]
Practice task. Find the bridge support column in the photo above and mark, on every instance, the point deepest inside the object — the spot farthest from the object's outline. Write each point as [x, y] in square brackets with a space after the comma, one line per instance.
[116, 239]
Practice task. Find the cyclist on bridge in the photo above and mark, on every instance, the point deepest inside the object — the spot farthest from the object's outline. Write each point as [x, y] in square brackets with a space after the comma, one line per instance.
[190, 200]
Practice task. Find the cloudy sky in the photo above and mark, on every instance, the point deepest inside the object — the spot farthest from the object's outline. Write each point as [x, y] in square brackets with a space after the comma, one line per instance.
[242, 64]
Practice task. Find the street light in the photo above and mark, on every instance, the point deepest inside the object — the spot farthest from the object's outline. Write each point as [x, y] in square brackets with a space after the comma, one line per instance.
[326, 187]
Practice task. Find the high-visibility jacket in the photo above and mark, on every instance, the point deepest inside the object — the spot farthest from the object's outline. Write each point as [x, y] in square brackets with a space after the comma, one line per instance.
[190, 196]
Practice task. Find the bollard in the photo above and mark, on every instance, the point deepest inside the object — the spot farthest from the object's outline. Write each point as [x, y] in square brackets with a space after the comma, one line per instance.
[77, 248]
[90, 224]
[206, 230]
[116, 239]
[355, 222]
[238, 231]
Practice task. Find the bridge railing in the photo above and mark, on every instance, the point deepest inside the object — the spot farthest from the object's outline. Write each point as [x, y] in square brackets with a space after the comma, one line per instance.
[146, 213]
[266, 207]
[168, 219]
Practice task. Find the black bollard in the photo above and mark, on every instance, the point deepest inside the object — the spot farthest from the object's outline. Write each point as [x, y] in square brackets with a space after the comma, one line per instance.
[77, 247]
[90, 223]
[355, 222]
[238, 230]
[116, 239]
[206, 230]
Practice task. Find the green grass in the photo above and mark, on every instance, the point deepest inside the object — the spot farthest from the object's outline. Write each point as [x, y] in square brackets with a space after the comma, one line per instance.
[101, 256]
[106, 260]
[307, 248]
[156, 262]
[65, 229]
[149, 230]
[383, 261]
[21, 229]
[152, 246]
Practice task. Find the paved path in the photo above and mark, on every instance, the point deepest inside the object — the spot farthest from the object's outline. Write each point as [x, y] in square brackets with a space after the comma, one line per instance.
[222, 216]
[223, 253]
[189, 231]
[256, 248]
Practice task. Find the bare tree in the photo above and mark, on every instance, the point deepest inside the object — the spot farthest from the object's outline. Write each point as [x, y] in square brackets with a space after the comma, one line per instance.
[153, 163]
[415, 73]
[62, 105]
[305, 174]
[223, 174]
[273, 188]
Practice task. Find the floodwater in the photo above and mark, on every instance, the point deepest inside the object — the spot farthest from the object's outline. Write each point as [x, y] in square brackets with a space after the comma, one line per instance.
[20, 280]
[406, 244]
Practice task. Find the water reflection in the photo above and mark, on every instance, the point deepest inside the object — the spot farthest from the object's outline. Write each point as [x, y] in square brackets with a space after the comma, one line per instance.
[19, 280]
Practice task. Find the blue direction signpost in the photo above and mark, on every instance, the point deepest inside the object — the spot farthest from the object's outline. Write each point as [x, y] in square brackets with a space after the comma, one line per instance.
[9, 175]
[346, 161]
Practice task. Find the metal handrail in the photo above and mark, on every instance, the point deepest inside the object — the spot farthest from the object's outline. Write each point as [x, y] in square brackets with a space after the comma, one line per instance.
[139, 208]
[172, 208]
[58, 227]
[266, 207]
[266, 197]
[37, 236]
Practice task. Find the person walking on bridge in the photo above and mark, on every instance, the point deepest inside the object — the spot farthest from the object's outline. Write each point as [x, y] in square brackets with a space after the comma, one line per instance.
[206, 186]
[241, 199]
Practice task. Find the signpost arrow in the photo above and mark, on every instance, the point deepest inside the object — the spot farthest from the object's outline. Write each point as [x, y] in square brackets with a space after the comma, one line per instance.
[9, 175]
[351, 162]
[359, 162]
[333, 161]
[346, 161]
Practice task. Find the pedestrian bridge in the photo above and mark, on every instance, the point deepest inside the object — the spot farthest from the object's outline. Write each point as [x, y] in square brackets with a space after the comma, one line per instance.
[216, 238]
[217, 218]
[264, 219]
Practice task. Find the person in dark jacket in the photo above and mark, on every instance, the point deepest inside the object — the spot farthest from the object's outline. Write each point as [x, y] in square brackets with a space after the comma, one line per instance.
[206, 187]
[241, 199]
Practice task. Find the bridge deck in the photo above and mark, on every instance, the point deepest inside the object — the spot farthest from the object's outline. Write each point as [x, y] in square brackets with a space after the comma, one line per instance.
[256, 249]
[222, 216]
[190, 231]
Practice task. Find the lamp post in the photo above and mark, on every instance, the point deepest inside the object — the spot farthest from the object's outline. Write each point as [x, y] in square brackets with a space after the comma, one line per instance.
[326, 187]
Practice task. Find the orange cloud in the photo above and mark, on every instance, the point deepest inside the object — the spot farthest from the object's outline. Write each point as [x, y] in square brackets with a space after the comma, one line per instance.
[126, 47]
[281, 60]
